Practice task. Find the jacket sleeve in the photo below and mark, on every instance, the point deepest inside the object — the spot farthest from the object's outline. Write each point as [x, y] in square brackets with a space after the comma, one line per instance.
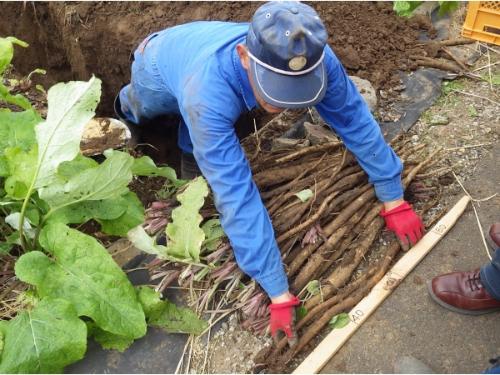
[243, 216]
[345, 111]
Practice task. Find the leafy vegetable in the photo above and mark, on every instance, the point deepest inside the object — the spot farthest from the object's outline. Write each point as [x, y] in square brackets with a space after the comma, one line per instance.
[7, 51]
[313, 287]
[71, 106]
[17, 129]
[185, 236]
[82, 272]
[106, 209]
[21, 165]
[145, 166]
[304, 195]
[133, 216]
[47, 183]
[108, 340]
[13, 220]
[339, 321]
[447, 7]
[166, 315]
[405, 8]
[213, 234]
[44, 339]
[68, 169]
[301, 312]
[141, 240]
[107, 180]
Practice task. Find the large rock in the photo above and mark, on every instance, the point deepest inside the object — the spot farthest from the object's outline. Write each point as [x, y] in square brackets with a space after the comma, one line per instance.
[366, 89]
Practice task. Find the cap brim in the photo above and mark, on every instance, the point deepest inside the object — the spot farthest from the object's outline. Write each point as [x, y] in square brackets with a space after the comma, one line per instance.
[287, 91]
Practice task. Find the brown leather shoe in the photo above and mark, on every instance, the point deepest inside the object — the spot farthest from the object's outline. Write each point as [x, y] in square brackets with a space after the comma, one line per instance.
[462, 292]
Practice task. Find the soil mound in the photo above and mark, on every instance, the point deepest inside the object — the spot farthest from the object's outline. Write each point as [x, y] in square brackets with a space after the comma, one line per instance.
[77, 39]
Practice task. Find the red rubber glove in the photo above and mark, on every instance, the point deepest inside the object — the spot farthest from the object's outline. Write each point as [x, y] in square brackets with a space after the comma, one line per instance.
[405, 223]
[283, 319]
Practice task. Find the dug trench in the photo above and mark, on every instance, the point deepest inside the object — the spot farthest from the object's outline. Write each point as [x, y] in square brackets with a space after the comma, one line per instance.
[76, 40]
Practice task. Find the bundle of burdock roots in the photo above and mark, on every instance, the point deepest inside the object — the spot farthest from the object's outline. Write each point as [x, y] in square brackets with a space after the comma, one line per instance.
[327, 224]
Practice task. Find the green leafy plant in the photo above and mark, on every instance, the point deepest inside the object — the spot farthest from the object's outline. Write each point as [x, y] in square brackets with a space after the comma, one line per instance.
[304, 195]
[164, 314]
[406, 8]
[43, 339]
[46, 184]
[185, 238]
[339, 321]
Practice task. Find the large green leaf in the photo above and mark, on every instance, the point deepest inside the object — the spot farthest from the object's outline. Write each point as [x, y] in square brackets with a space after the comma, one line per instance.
[339, 321]
[44, 339]
[17, 129]
[167, 315]
[141, 240]
[108, 180]
[17, 99]
[68, 169]
[71, 105]
[213, 234]
[132, 216]
[447, 7]
[4, 167]
[3, 327]
[83, 272]
[108, 340]
[405, 8]
[185, 236]
[22, 168]
[107, 209]
[145, 166]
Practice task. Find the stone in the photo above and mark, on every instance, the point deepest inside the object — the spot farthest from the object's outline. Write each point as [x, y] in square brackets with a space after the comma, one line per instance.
[367, 91]
[317, 134]
[439, 120]
[414, 138]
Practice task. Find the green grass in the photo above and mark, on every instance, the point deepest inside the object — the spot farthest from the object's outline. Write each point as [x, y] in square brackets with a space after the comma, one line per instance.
[449, 86]
[472, 111]
[495, 78]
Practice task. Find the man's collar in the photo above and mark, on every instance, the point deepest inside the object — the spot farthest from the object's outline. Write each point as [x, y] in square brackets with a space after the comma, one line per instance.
[244, 83]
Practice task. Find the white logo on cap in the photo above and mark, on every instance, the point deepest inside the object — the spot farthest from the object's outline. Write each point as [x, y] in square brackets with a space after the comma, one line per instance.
[297, 62]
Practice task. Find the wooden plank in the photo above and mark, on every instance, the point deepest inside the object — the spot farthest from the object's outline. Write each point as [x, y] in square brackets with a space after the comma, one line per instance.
[358, 315]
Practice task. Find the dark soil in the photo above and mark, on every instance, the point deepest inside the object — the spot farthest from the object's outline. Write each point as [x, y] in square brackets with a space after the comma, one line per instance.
[74, 40]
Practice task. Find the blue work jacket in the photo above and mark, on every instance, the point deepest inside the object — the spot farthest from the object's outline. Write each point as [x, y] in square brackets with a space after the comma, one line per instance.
[194, 70]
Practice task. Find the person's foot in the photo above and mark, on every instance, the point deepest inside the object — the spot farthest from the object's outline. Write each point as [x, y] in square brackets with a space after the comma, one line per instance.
[462, 292]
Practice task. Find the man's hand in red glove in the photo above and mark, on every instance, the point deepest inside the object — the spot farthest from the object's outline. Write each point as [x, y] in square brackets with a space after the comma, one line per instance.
[283, 318]
[404, 222]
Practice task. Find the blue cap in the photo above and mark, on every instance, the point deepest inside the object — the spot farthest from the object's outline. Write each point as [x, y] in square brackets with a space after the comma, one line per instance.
[286, 42]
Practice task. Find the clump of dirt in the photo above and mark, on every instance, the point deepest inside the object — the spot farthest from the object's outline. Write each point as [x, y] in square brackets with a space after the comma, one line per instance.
[76, 40]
